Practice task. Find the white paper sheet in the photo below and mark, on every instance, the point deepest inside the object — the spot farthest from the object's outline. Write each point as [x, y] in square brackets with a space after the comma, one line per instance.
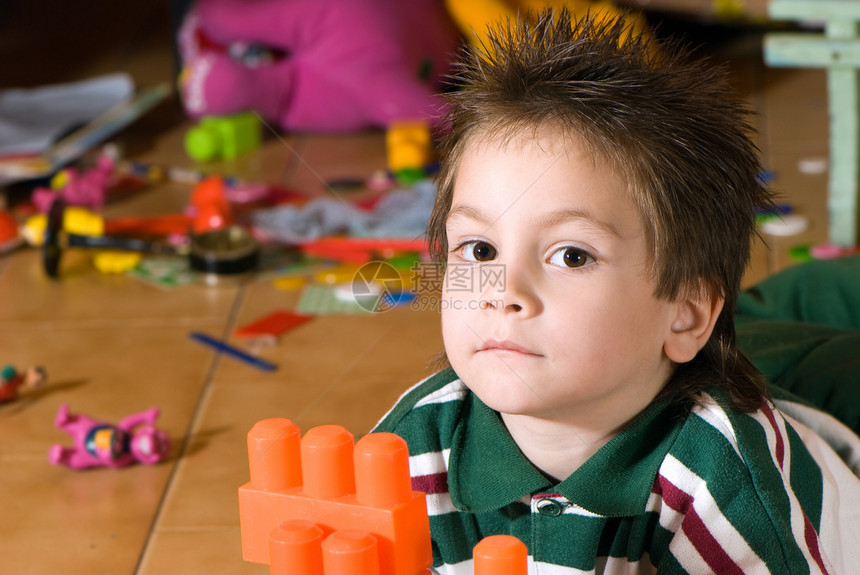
[32, 119]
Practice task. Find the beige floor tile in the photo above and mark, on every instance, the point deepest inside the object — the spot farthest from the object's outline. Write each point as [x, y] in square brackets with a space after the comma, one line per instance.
[104, 372]
[203, 494]
[193, 552]
[330, 348]
[84, 294]
[334, 157]
[55, 520]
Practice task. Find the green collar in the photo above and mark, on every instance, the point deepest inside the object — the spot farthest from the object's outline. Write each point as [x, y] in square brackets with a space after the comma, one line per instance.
[487, 471]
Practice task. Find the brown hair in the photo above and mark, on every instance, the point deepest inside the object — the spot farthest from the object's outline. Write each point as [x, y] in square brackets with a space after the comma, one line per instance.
[667, 123]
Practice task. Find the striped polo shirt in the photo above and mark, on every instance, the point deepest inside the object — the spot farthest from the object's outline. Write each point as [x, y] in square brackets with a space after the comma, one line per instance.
[701, 490]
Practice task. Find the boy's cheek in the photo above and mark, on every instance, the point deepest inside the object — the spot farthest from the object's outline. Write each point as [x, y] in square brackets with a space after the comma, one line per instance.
[454, 301]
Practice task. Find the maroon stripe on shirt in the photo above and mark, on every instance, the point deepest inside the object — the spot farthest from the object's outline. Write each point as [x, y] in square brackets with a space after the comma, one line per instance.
[431, 484]
[696, 530]
[780, 447]
[811, 538]
[809, 534]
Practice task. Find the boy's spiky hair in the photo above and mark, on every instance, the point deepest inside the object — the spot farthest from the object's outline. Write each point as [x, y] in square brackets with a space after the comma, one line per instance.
[667, 124]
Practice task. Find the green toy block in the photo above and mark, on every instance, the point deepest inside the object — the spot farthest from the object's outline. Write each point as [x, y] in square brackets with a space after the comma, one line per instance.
[223, 137]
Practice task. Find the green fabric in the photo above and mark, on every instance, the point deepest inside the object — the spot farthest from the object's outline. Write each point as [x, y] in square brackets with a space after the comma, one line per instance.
[738, 502]
[637, 451]
[801, 328]
[472, 488]
[619, 465]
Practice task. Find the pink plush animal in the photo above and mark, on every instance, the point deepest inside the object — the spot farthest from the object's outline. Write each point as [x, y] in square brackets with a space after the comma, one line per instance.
[88, 188]
[317, 65]
[99, 444]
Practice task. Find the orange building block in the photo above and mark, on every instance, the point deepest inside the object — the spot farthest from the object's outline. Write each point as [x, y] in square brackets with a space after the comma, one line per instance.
[322, 505]
[500, 555]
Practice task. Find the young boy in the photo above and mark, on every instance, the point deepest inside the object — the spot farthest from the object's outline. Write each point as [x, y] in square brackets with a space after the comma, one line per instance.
[595, 213]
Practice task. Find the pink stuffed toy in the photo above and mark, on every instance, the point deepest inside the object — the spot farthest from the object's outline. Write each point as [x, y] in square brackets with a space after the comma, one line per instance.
[327, 65]
[99, 444]
[87, 189]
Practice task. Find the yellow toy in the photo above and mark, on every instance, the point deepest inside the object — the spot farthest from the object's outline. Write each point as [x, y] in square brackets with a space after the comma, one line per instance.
[76, 220]
[116, 262]
[474, 17]
[410, 149]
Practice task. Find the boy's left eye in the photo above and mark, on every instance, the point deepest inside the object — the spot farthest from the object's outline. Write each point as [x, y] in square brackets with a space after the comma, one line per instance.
[570, 257]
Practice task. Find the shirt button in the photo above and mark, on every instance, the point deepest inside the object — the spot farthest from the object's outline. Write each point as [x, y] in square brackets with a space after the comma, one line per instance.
[549, 507]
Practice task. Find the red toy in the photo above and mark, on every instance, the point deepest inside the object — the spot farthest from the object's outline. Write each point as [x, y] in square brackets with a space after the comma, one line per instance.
[209, 205]
[99, 444]
[10, 238]
[272, 325]
[321, 505]
[11, 380]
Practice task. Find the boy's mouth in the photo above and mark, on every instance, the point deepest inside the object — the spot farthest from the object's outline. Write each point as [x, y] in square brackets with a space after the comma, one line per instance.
[505, 347]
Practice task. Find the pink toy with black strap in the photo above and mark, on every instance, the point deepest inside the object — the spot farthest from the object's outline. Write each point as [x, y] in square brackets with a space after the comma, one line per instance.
[98, 444]
[340, 65]
[86, 188]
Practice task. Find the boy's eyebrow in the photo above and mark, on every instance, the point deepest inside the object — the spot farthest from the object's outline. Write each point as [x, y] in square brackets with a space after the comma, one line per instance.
[562, 216]
[465, 211]
[548, 221]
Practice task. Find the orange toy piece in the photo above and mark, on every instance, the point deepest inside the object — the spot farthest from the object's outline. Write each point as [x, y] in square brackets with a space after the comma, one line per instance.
[500, 555]
[324, 505]
[212, 209]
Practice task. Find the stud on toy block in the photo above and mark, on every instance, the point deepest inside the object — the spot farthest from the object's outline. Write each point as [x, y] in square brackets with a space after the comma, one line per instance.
[500, 555]
[296, 547]
[322, 504]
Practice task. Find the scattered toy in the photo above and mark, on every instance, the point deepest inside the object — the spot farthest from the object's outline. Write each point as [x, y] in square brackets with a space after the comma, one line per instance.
[12, 380]
[272, 325]
[78, 188]
[317, 59]
[224, 137]
[116, 262]
[10, 236]
[99, 444]
[410, 150]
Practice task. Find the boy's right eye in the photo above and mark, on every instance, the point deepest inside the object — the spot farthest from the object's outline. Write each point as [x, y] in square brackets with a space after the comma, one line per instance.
[477, 251]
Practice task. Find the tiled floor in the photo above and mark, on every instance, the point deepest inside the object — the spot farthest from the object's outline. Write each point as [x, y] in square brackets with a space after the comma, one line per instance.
[113, 345]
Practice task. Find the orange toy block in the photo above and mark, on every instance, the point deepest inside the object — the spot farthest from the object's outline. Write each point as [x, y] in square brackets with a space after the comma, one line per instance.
[500, 555]
[324, 505]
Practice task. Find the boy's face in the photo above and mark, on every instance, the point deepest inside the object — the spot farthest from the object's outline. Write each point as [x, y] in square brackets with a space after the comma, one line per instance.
[547, 308]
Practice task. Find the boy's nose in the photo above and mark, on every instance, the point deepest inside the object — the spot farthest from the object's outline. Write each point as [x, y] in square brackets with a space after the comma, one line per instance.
[517, 296]
[494, 303]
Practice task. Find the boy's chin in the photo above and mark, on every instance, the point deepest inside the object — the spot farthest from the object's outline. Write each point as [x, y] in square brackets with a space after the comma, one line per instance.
[507, 393]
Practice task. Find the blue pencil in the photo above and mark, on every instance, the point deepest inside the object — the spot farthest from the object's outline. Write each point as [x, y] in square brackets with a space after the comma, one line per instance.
[236, 353]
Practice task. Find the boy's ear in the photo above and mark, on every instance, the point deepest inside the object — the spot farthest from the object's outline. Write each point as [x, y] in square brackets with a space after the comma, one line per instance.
[694, 321]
